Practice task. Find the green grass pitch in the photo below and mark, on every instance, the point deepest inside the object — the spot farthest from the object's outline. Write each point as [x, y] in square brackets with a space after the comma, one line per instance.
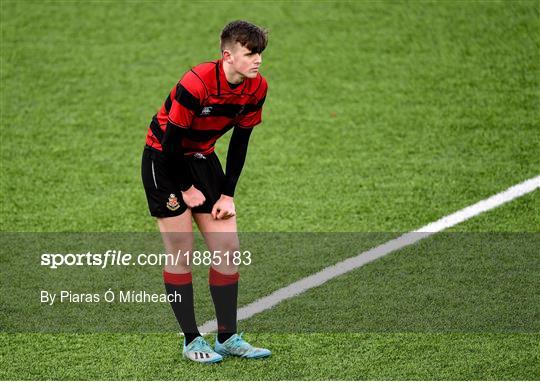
[380, 117]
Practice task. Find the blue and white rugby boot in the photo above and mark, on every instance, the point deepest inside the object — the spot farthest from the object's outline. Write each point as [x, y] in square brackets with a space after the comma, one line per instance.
[237, 346]
[199, 350]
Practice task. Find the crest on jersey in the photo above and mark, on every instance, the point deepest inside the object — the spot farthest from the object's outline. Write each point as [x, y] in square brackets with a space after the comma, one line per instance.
[172, 204]
[206, 110]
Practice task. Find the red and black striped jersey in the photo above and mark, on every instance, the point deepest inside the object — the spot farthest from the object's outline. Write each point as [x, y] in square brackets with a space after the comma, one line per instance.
[204, 104]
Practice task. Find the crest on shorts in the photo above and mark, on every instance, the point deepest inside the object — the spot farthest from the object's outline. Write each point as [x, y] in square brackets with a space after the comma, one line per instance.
[172, 203]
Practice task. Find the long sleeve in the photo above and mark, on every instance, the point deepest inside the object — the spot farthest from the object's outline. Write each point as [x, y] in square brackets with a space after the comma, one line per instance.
[174, 155]
[182, 107]
[236, 157]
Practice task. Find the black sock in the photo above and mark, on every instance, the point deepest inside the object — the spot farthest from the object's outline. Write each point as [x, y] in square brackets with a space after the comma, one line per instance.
[224, 290]
[180, 284]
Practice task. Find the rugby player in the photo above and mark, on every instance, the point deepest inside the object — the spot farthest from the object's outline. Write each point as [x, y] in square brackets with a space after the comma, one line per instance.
[184, 180]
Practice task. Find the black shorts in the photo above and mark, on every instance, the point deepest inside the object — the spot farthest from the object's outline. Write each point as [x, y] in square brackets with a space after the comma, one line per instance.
[165, 197]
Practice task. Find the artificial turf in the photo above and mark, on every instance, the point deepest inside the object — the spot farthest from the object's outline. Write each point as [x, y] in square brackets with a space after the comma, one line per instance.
[380, 117]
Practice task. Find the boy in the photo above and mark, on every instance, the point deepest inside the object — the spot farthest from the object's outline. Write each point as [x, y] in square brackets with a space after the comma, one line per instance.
[183, 178]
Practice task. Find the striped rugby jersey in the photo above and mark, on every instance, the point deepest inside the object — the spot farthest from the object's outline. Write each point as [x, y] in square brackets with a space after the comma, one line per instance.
[203, 103]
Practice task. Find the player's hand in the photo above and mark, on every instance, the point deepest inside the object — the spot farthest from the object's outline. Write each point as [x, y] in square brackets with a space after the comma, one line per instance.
[193, 197]
[224, 208]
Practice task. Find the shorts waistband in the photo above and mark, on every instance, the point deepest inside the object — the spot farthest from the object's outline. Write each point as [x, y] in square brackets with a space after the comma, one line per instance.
[190, 155]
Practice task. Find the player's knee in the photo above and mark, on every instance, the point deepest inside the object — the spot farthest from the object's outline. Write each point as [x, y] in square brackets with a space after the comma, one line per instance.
[179, 246]
[228, 243]
[176, 241]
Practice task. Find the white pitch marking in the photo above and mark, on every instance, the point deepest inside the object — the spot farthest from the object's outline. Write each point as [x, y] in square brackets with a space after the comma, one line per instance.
[363, 258]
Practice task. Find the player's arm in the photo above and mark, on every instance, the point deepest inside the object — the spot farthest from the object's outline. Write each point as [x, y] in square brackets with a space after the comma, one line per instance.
[236, 157]
[182, 110]
[174, 155]
[178, 168]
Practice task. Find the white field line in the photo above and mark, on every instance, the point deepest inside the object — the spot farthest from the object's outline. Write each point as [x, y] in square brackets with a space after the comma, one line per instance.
[363, 258]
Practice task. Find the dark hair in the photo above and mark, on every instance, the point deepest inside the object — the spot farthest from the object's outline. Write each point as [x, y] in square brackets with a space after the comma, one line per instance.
[247, 34]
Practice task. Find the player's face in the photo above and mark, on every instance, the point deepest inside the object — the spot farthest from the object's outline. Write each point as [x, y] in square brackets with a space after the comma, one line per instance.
[244, 62]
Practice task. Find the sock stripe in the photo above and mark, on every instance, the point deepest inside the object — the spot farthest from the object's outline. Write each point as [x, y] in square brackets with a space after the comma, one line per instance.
[216, 278]
[177, 278]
